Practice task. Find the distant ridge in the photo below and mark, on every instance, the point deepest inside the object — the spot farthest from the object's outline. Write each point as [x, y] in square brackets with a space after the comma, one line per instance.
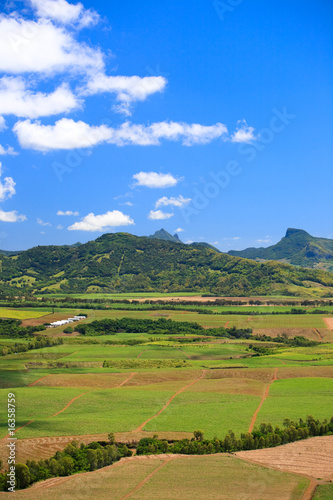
[162, 234]
[297, 247]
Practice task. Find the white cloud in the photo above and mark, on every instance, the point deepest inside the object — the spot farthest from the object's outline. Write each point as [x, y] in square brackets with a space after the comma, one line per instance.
[233, 238]
[16, 99]
[159, 215]
[7, 188]
[92, 222]
[128, 89]
[155, 180]
[59, 226]
[68, 134]
[180, 201]
[65, 134]
[42, 223]
[179, 230]
[8, 151]
[39, 46]
[64, 12]
[2, 123]
[68, 212]
[264, 241]
[243, 133]
[127, 203]
[12, 216]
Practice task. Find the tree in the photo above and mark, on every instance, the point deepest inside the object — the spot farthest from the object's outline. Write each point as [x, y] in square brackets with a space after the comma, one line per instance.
[111, 438]
[22, 474]
[198, 435]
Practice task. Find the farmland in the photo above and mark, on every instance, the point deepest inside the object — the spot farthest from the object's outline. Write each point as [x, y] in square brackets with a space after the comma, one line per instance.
[141, 384]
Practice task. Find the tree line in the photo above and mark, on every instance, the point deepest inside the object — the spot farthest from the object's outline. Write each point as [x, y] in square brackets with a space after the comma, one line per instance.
[83, 458]
[71, 460]
[264, 436]
[161, 326]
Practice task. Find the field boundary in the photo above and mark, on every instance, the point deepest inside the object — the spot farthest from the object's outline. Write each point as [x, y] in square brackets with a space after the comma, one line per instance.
[140, 428]
[144, 481]
[264, 396]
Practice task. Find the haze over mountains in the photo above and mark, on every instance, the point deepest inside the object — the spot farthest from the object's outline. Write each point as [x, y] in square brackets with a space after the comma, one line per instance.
[297, 247]
[121, 262]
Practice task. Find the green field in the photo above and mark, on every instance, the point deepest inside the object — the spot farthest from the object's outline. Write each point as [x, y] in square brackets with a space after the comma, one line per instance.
[76, 389]
[298, 398]
[324, 492]
[23, 313]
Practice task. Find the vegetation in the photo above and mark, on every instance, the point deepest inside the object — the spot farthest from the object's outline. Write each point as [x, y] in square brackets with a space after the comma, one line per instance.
[160, 326]
[297, 247]
[264, 436]
[73, 459]
[10, 328]
[125, 263]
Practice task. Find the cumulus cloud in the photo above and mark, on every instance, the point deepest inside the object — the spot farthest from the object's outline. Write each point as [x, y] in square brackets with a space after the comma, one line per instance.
[179, 230]
[68, 212]
[41, 47]
[64, 12]
[155, 180]
[42, 223]
[179, 202]
[159, 215]
[244, 133]
[12, 216]
[16, 99]
[65, 134]
[92, 222]
[127, 89]
[2, 123]
[68, 134]
[7, 187]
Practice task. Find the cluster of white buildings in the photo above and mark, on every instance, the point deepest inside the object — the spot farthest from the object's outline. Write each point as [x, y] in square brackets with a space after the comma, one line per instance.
[66, 321]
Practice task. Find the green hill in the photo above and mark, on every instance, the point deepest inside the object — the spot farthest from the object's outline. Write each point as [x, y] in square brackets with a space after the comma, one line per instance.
[122, 262]
[297, 248]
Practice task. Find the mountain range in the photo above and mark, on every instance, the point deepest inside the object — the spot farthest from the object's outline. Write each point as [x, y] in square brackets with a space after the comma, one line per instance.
[121, 262]
[297, 247]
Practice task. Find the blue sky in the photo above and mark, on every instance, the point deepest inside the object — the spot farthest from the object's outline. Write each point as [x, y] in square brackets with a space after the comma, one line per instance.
[210, 118]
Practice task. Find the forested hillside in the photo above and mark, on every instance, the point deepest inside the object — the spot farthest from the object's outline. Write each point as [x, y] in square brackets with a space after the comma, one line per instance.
[298, 248]
[122, 262]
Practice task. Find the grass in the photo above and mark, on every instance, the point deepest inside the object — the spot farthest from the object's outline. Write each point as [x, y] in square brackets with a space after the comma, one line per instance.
[22, 313]
[214, 477]
[99, 411]
[297, 398]
[214, 413]
[182, 478]
[324, 492]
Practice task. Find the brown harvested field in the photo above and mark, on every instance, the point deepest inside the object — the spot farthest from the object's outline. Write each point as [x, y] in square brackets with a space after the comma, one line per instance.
[86, 380]
[261, 374]
[156, 377]
[308, 333]
[230, 386]
[329, 323]
[46, 447]
[311, 457]
[173, 477]
[305, 371]
[49, 318]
